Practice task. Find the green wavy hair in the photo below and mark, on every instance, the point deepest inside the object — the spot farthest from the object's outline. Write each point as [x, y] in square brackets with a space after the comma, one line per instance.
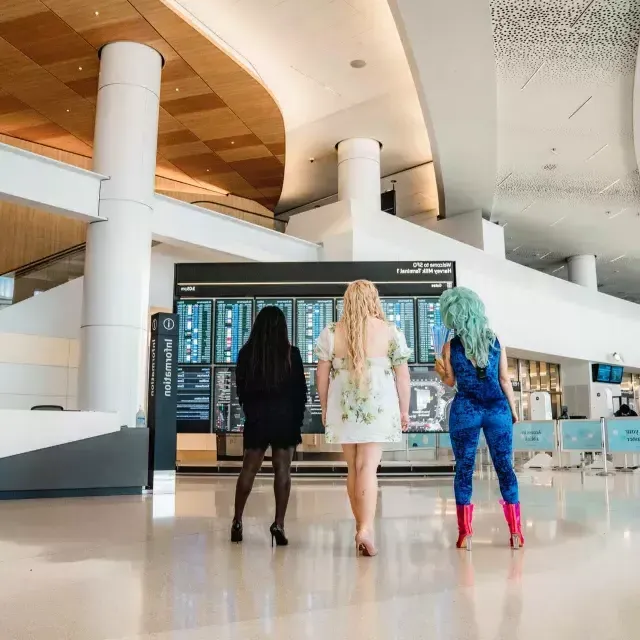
[464, 312]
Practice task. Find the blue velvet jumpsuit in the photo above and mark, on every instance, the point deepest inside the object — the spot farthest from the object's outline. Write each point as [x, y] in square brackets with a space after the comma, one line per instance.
[479, 404]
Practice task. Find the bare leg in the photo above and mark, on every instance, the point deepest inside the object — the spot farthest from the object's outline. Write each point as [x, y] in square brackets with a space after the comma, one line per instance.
[349, 451]
[281, 459]
[250, 466]
[366, 486]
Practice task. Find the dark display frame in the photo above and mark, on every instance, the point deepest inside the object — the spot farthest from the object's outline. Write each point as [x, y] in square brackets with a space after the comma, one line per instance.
[325, 280]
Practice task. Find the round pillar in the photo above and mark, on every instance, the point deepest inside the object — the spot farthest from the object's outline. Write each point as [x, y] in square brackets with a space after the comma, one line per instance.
[359, 171]
[582, 271]
[115, 308]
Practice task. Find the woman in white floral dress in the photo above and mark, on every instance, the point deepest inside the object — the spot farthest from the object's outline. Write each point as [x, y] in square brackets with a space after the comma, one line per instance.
[363, 383]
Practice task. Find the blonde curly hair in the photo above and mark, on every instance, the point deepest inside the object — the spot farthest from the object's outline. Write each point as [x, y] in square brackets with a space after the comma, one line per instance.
[361, 301]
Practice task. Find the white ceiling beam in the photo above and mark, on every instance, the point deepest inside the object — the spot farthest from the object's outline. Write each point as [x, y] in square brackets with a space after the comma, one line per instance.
[37, 181]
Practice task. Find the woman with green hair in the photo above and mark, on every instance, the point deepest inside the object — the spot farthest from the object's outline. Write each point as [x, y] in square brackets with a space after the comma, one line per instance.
[475, 362]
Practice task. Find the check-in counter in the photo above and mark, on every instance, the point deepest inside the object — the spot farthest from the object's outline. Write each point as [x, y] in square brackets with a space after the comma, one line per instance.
[70, 453]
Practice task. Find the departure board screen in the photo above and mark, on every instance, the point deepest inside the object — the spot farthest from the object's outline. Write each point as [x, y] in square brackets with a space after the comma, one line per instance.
[313, 413]
[428, 317]
[193, 400]
[312, 316]
[194, 331]
[339, 308]
[227, 414]
[284, 304]
[232, 328]
[400, 311]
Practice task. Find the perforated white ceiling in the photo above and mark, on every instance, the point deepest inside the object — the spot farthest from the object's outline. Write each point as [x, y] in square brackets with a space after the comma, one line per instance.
[568, 180]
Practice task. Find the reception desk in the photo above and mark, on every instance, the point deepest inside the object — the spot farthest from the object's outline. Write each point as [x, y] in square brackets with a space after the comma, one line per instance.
[70, 453]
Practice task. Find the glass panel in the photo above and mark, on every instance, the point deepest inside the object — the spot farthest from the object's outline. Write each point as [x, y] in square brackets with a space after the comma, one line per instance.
[534, 375]
[544, 376]
[554, 377]
[525, 380]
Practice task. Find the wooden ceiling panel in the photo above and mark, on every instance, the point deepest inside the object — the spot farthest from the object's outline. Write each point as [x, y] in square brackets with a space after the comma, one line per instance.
[209, 103]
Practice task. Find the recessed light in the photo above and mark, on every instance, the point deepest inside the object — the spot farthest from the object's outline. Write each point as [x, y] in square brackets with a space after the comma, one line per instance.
[79, 68]
[67, 110]
[358, 64]
[208, 170]
[232, 142]
[177, 89]
[97, 13]
[618, 258]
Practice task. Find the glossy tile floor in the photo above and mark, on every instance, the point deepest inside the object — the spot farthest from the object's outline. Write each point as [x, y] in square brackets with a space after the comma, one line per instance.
[133, 568]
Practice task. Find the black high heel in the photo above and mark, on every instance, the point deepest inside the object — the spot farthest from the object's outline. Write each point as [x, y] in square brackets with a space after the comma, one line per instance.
[236, 531]
[277, 536]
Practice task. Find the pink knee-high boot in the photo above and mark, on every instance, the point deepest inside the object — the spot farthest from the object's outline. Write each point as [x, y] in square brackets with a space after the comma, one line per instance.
[465, 529]
[512, 516]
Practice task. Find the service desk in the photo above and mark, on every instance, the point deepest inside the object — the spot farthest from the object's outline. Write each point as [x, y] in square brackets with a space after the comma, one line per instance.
[70, 453]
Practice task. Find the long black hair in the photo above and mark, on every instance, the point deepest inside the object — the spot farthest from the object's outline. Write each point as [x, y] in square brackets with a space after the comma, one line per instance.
[268, 350]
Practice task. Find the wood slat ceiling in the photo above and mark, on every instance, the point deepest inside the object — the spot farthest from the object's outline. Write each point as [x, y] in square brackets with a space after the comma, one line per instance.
[219, 127]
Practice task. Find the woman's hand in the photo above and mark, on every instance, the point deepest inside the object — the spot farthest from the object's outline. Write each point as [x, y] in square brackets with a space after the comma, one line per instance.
[440, 369]
[404, 422]
[514, 417]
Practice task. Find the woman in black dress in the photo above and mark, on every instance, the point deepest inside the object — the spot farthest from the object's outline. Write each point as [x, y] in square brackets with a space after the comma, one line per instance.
[272, 392]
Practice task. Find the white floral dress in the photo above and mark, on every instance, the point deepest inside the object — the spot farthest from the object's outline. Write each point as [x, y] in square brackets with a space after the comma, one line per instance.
[357, 416]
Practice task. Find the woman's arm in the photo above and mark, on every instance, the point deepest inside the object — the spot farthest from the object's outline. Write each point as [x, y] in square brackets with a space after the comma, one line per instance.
[505, 383]
[322, 382]
[403, 386]
[444, 368]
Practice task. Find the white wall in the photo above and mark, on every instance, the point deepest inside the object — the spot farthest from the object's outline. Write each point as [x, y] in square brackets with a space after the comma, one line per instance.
[493, 239]
[37, 370]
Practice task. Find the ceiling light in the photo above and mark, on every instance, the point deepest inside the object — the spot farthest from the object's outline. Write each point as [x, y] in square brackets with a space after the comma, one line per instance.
[67, 110]
[177, 89]
[208, 170]
[232, 142]
[518, 247]
[545, 255]
[613, 184]
[558, 221]
[615, 215]
[592, 156]
[618, 258]
[558, 269]
[528, 207]
[97, 13]
[358, 64]
[79, 68]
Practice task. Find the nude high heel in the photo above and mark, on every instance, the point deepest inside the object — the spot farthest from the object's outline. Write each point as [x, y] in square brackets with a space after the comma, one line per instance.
[365, 546]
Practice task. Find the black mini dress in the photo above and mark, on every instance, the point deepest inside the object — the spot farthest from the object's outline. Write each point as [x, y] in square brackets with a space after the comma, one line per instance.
[273, 417]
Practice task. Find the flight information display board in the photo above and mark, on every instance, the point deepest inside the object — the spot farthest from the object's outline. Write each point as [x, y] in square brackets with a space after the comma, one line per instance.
[313, 414]
[339, 308]
[312, 316]
[193, 400]
[284, 304]
[430, 401]
[227, 413]
[428, 317]
[232, 328]
[400, 311]
[194, 331]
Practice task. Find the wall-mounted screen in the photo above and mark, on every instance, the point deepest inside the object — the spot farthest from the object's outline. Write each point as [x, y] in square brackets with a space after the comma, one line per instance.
[313, 414]
[227, 414]
[312, 316]
[193, 400]
[232, 328]
[194, 331]
[428, 317]
[601, 372]
[339, 308]
[616, 374]
[284, 304]
[401, 312]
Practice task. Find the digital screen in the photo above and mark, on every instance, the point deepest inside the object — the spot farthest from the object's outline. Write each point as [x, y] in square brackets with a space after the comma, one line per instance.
[313, 413]
[428, 317]
[616, 374]
[193, 400]
[284, 304]
[430, 401]
[312, 316]
[601, 373]
[194, 331]
[339, 308]
[227, 414]
[400, 311]
[233, 326]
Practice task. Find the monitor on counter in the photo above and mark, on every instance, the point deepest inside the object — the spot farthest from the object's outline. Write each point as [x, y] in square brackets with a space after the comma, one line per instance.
[194, 331]
[616, 374]
[234, 318]
[193, 400]
[312, 316]
[428, 317]
[284, 304]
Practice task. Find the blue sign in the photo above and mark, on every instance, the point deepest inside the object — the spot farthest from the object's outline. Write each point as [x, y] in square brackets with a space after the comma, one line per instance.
[444, 441]
[534, 436]
[623, 435]
[422, 440]
[580, 435]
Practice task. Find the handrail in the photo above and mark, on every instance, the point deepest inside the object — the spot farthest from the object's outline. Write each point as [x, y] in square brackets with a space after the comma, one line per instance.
[53, 257]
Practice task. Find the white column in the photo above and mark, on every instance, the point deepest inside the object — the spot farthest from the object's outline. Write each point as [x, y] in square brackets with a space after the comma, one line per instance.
[582, 271]
[117, 269]
[359, 171]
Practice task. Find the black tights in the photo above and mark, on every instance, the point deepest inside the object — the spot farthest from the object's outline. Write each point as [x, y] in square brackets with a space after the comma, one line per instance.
[281, 459]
